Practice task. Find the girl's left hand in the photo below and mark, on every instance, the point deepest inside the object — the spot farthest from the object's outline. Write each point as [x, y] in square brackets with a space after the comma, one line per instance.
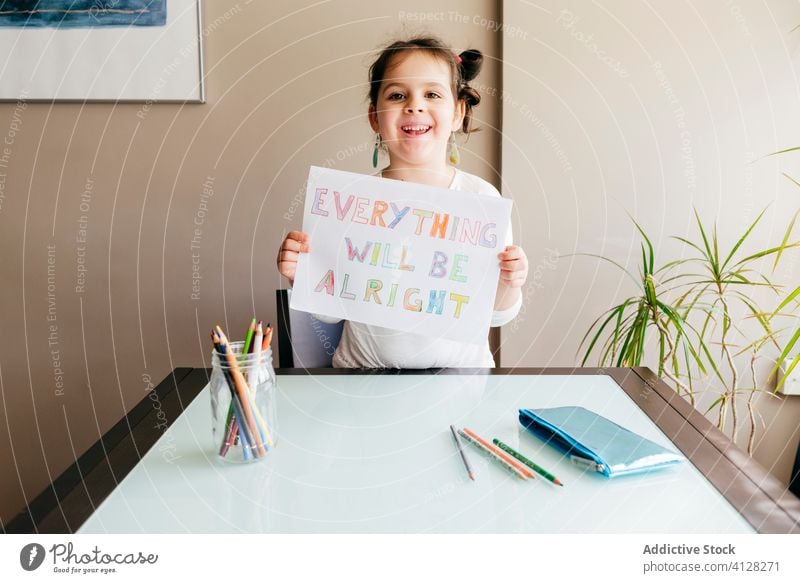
[513, 266]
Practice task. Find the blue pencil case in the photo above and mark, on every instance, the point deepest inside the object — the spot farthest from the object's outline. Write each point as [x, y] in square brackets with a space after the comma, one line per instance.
[595, 442]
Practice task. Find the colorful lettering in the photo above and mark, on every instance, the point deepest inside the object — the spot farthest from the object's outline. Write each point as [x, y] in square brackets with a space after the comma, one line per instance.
[468, 233]
[319, 198]
[417, 305]
[376, 251]
[377, 213]
[341, 211]
[459, 299]
[344, 293]
[398, 214]
[422, 215]
[438, 266]
[353, 251]
[436, 301]
[326, 283]
[488, 240]
[439, 227]
[361, 207]
[454, 229]
[373, 287]
[387, 259]
[392, 295]
[455, 272]
[403, 258]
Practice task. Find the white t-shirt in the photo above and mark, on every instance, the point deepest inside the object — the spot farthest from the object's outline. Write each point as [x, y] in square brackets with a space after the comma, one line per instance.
[366, 346]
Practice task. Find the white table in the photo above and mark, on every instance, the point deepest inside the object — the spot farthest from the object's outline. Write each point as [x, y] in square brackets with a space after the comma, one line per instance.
[374, 453]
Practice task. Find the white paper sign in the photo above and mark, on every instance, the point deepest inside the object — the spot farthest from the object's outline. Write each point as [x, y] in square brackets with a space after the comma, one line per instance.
[401, 255]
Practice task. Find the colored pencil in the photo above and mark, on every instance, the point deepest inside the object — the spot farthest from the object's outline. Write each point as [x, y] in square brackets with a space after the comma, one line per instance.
[535, 467]
[249, 337]
[239, 427]
[245, 349]
[235, 417]
[242, 391]
[492, 454]
[254, 360]
[267, 338]
[261, 425]
[470, 473]
[505, 457]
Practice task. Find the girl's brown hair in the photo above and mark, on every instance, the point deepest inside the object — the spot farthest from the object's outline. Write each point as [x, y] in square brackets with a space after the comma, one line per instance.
[464, 68]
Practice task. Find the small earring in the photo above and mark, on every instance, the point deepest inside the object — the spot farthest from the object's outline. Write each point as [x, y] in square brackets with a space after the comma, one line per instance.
[454, 156]
[375, 151]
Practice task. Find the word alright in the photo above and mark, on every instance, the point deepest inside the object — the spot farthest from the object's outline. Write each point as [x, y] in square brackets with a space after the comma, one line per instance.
[389, 215]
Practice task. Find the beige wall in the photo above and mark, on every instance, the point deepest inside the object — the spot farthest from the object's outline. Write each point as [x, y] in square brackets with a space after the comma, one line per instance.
[286, 88]
[649, 108]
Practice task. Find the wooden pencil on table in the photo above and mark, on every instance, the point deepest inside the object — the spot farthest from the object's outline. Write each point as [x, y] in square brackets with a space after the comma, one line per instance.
[470, 473]
[492, 454]
[501, 454]
[534, 466]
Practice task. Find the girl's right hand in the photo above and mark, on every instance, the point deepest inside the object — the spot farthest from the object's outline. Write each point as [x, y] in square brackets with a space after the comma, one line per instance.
[295, 242]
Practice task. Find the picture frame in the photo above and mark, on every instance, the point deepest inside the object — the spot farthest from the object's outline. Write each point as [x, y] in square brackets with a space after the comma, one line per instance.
[101, 51]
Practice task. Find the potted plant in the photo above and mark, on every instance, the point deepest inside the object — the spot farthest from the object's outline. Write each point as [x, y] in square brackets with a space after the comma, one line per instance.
[695, 312]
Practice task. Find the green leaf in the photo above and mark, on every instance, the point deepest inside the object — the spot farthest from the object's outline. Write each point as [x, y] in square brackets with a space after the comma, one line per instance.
[780, 248]
[713, 264]
[628, 273]
[677, 262]
[790, 178]
[679, 324]
[716, 248]
[785, 239]
[711, 361]
[688, 368]
[618, 327]
[650, 289]
[642, 334]
[621, 360]
[762, 318]
[788, 299]
[787, 150]
[787, 350]
[715, 403]
[598, 334]
[687, 242]
[789, 370]
[742, 238]
[649, 246]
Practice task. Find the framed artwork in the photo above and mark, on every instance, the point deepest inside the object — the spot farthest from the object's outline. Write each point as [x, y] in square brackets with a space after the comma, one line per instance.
[101, 50]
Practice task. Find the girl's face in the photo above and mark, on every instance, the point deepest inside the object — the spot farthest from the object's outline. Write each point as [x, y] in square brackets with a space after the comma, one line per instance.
[416, 111]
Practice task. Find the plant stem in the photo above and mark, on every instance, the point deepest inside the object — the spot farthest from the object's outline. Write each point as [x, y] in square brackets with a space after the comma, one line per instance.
[665, 333]
[731, 392]
[750, 410]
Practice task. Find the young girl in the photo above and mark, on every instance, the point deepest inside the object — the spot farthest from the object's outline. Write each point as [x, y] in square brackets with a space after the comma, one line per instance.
[419, 98]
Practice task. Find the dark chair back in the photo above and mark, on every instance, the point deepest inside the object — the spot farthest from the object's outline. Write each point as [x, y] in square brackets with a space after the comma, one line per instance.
[794, 482]
[304, 341]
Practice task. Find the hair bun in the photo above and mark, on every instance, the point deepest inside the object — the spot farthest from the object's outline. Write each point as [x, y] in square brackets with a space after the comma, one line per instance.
[471, 63]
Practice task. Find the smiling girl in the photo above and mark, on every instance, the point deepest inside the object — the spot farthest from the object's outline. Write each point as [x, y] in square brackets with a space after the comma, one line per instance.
[419, 98]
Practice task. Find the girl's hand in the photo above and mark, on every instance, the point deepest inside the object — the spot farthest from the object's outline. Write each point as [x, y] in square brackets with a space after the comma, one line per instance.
[513, 266]
[296, 242]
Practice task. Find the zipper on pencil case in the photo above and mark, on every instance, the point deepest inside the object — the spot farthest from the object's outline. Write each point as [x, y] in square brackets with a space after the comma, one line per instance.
[587, 463]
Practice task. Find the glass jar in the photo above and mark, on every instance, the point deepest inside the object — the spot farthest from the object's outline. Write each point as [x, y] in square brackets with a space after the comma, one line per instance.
[243, 394]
